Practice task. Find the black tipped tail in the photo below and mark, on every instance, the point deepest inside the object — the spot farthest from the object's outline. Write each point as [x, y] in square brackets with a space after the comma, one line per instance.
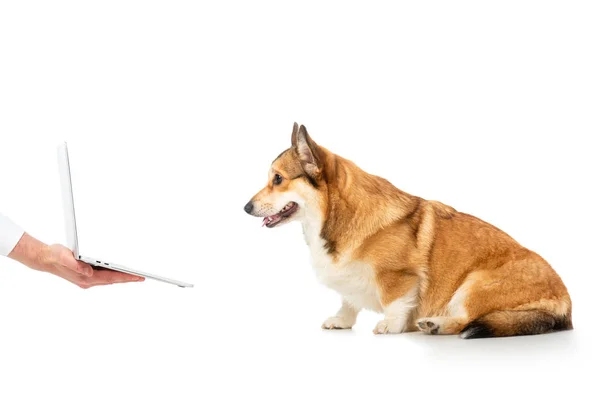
[476, 330]
[515, 323]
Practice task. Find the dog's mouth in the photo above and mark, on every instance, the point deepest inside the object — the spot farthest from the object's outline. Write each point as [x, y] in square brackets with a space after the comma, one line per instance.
[287, 211]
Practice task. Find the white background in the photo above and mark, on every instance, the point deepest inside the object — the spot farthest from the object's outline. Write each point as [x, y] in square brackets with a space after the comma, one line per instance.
[173, 112]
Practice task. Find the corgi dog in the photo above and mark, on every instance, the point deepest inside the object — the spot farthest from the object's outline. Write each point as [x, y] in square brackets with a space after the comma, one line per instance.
[421, 263]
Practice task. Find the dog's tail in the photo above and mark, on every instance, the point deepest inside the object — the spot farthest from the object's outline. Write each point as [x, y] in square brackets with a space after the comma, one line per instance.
[516, 323]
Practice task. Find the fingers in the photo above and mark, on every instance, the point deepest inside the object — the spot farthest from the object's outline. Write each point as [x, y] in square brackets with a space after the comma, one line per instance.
[107, 277]
[84, 269]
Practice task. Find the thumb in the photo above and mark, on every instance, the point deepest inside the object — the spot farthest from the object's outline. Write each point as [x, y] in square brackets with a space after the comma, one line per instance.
[67, 260]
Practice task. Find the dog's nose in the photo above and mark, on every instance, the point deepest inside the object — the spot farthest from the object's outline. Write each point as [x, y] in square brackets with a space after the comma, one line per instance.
[248, 207]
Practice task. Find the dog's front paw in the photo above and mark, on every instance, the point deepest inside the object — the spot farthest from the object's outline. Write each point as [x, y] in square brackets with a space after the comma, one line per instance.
[337, 322]
[395, 325]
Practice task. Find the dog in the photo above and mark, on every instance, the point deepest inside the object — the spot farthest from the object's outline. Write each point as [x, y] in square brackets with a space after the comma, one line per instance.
[421, 263]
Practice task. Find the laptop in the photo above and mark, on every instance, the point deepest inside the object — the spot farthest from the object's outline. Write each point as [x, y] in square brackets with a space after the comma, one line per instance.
[71, 226]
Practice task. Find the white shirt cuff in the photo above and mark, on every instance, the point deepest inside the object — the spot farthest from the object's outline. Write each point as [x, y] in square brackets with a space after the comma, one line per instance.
[10, 234]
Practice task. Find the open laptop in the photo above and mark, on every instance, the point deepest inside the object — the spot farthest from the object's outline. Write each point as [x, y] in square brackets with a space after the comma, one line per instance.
[71, 226]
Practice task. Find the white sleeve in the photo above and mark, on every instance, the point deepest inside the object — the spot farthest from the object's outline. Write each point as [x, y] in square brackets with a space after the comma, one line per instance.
[10, 234]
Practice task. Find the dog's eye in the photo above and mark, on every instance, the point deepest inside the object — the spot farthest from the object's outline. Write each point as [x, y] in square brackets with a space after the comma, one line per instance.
[277, 179]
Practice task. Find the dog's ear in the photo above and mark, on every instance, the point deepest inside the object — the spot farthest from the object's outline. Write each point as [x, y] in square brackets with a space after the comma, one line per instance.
[294, 134]
[307, 150]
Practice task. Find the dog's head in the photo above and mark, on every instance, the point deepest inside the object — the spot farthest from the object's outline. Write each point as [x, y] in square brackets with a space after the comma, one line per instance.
[294, 186]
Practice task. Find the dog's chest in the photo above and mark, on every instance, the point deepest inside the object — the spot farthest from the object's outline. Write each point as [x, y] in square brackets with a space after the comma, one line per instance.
[353, 280]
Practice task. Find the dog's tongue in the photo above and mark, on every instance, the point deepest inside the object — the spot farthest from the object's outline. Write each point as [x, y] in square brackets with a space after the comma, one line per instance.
[271, 219]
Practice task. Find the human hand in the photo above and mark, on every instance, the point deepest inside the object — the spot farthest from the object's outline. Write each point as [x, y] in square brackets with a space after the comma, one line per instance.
[59, 260]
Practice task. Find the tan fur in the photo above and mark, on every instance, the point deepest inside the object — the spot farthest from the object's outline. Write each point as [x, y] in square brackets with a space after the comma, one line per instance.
[412, 242]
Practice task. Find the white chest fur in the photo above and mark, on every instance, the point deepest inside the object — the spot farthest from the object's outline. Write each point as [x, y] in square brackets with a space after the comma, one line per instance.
[353, 280]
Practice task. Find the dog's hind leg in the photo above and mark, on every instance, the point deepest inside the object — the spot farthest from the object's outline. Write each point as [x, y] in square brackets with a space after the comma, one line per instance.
[441, 325]
[456, 315]
[493, 303]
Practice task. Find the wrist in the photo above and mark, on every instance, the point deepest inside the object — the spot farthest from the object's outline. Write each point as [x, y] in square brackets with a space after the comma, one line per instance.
[31, 252]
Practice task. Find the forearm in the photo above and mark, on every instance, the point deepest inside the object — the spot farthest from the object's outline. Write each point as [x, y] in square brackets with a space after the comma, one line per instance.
[30, 251]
